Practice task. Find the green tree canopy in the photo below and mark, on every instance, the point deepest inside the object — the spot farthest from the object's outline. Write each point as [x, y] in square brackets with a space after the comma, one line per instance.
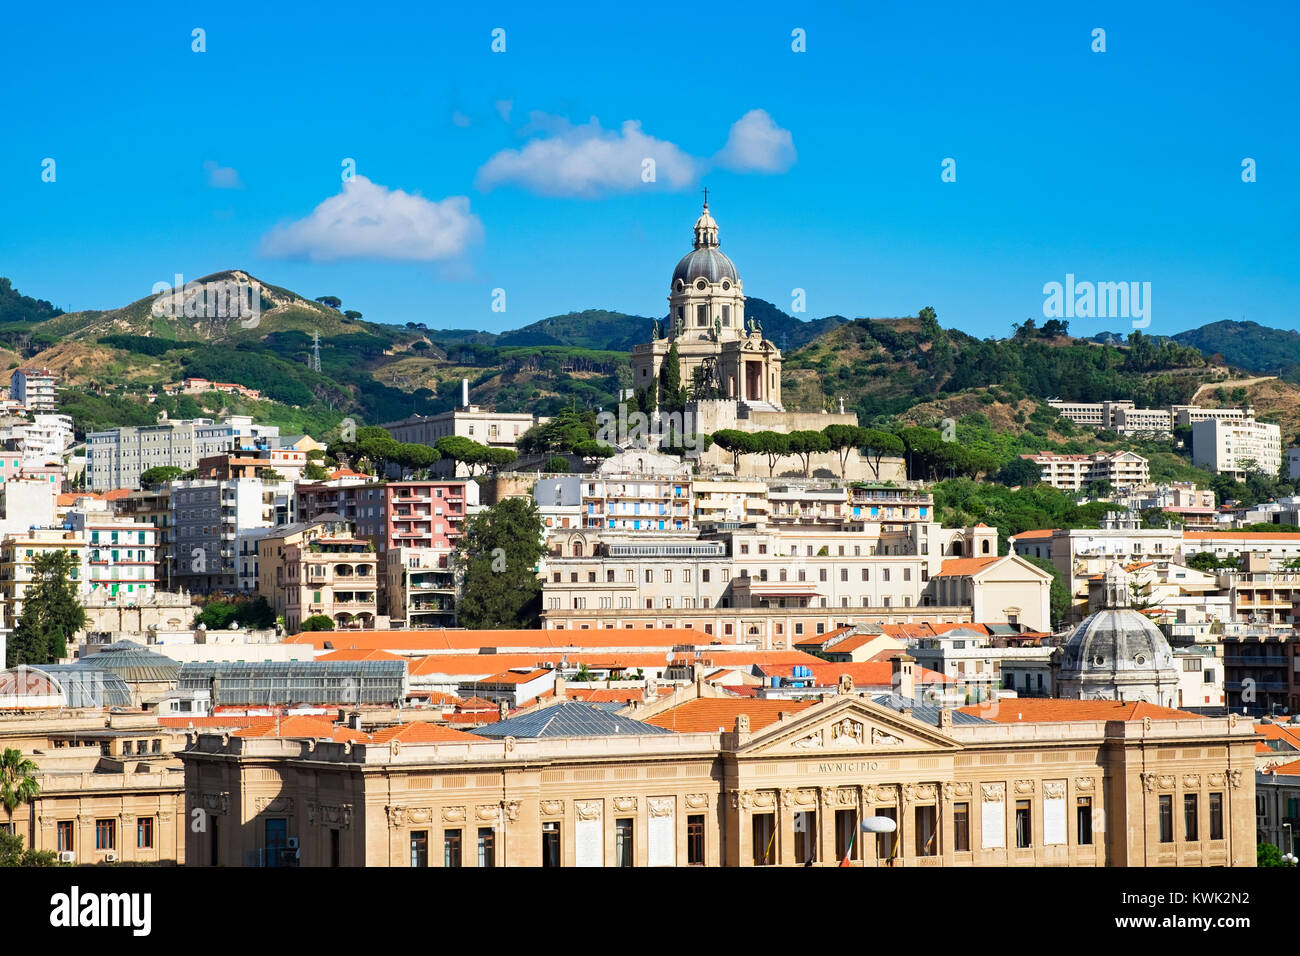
[318, 622]
[52, 612]
[17, 780]
[805, 444]
[775, 445]
[497, 558]
[160, 474]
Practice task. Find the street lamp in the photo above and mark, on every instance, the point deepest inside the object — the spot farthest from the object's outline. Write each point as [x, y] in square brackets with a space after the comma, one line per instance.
[1290, 838]
[878, 826]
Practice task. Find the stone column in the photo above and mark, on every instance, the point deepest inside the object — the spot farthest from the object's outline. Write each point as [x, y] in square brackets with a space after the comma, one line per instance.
[827, 807]
[785, 828]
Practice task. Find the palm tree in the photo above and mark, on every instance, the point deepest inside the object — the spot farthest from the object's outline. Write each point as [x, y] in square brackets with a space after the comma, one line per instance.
[17, 782]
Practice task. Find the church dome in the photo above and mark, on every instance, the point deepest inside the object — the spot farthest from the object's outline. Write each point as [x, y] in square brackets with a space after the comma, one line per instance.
[1117, 653]
[706, 261]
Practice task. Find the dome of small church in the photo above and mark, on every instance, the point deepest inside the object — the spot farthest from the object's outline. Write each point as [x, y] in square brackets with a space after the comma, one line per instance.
[1117, 653]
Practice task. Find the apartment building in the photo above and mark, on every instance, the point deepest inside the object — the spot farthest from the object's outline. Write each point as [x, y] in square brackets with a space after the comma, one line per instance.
[120, 556]
[27, 503]
[420, 587]
[208, 519]
[153, 507]
[43, 439]
[1260, 671]
[1120, 469]
[18, 554]
[116, 458]
[729, 502]
[1236, 447]
[1124, 417]
[413, 514]
[331, 574]
[624, 502]
[1080, 553]
[34, 388]
[289, 463]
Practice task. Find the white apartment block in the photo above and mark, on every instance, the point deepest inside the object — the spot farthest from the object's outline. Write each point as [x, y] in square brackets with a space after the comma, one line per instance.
[421, 587]
[1121, 469]
[120, 559]
[1234, 448]
[1127, 419]
[34, 388]
[118, 457]
[622, 502]
[730, 502]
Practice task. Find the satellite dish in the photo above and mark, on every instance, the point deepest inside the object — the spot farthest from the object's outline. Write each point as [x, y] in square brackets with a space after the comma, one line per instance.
[878, 825]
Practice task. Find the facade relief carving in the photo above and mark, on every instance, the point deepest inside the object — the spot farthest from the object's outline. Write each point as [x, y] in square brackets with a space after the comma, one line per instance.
[661, 806]
[1024, 786]
[993, 792]
[552, 808]
[811, 742]
[274, 804]
[1054, 789]
[846, 733]
[697, 801]
[512, 811]
[453, 814]
[587, 809]
[1083, 783]
[880, 738]
[625, 804]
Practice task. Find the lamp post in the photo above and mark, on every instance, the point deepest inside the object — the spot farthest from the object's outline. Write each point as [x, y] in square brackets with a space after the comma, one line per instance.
[878, 826]
[1290, 838]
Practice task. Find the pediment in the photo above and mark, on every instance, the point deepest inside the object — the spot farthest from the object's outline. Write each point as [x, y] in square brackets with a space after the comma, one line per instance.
[847, 725]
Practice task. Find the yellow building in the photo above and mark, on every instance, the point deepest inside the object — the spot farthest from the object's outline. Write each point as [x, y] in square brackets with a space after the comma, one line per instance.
[742, 782]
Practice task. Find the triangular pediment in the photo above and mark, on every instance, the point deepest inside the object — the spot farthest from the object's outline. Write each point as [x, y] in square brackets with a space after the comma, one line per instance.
[847, 725]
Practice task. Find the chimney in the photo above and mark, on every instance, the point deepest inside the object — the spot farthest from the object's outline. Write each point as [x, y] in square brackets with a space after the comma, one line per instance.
[904, 675]
[354, 720]
[343, 718]
[560, 684]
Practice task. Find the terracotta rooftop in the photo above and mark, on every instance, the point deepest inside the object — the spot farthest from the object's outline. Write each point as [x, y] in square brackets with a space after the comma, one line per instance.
[1041, 709]
[958, 567]
[707, 714]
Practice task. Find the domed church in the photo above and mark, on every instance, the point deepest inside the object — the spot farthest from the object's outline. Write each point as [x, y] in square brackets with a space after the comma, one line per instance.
[723, 355]
[1117, 653]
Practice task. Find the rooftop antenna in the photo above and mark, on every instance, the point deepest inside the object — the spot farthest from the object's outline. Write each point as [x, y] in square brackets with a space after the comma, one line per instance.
[315, 351]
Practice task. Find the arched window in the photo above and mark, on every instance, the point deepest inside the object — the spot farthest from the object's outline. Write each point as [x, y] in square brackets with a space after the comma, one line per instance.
[985, 548]
[577, 549]
[956, 548]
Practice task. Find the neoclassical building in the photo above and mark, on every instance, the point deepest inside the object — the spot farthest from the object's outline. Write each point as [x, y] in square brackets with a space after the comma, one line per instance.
[745, 782]
[716, 343]
[733, 373]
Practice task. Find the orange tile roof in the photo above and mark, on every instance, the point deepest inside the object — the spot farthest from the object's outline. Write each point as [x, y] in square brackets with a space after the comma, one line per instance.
[1036, 533]
[1290, 769]
[471, 641]
[1271, 731]
[1038, 709]
[707, 714]
[360, 654]
[479, 717]
[514, 677]
[477, 703]
[421, 732]
[959, 567]
[199, 723]
[301, 726]
[864, 673]
[817, 640]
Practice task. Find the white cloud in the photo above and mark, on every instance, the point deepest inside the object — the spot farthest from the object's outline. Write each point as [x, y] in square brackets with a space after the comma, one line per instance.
[221, 177]
[757, 144]
[369, 221]
[504, 108]
[587, 161]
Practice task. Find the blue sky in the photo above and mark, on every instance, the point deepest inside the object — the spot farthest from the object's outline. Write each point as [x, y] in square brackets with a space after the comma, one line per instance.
[480, 170]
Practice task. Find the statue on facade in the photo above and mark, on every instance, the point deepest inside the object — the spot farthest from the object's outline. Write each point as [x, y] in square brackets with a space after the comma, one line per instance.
[654, 331]
[679, 327]
[717, 327]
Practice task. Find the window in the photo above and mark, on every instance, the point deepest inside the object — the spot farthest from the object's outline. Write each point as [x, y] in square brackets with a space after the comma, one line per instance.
[623, 841]
[821, 574]
[866, 574]
[65, 836]
[105, 834]
[704, 575]
[961, 827]
[927, 833]
[336, 847]
[144, 833]
[1216, 816]
[649, 576]
[888, 841]
[884, 574]
[1024, 825]
[805, 836]
[846, 834]
[844, 574]
[487, 847]
[419, 848]
[277, 840]
[451, 848]
[1191, 818]
[764, 839]
[1167, 818]
[1083, 814]
[695, 840]
[551, 844]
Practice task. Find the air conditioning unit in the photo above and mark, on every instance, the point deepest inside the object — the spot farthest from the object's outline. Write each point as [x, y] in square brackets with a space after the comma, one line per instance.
[67, 856]
[110, 857]
[293, 843]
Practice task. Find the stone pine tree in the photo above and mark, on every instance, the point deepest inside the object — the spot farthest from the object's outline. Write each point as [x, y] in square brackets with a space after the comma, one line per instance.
[497, 561]
[52, 612]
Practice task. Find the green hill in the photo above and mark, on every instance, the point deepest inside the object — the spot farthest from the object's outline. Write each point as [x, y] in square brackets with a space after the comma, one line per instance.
[1249, 345]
